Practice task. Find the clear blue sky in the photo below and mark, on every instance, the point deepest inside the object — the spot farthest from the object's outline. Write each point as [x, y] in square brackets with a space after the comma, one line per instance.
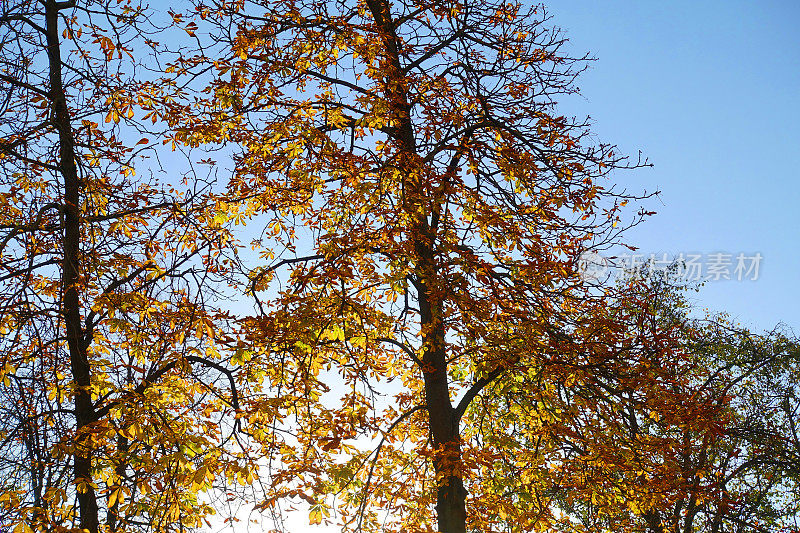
[710, 92]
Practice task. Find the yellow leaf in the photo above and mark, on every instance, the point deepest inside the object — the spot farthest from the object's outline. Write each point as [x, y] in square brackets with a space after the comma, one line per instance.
[315, 516]
[83, 485]
[22, 527]
[358, 342]
[200, 475]
[115, 497]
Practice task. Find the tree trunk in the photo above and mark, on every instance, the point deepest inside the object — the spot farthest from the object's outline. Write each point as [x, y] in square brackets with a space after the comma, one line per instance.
[653, 520]
[113, 516]
[450, 494]
[70, 280]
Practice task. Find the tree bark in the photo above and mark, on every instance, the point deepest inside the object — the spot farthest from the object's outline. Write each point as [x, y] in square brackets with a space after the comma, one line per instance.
[653, 520]
[450, 494]
[70, 276]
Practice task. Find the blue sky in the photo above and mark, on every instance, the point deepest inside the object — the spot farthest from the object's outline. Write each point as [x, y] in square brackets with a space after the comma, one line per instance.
[710, 92]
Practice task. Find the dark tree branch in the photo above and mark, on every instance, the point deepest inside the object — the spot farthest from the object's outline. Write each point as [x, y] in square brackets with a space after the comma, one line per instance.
[475, 389]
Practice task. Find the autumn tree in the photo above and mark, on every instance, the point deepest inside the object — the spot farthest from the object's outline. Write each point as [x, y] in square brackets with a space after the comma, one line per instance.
[745, 479]
[600, 418]
[424, 207]
[113, 390]
[725, 461]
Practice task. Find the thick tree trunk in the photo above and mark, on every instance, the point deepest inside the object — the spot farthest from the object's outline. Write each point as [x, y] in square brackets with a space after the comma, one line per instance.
[70, 280]
[451, 494]
[653, 520]
[443, 419]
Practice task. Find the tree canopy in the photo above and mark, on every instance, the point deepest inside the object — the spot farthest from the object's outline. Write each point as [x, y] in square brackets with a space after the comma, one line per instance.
[404, 342]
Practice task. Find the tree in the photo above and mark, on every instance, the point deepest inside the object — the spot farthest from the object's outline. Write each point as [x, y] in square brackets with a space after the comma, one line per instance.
[114, 393]
[749, 473]
[427, 207]
[732, 469]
